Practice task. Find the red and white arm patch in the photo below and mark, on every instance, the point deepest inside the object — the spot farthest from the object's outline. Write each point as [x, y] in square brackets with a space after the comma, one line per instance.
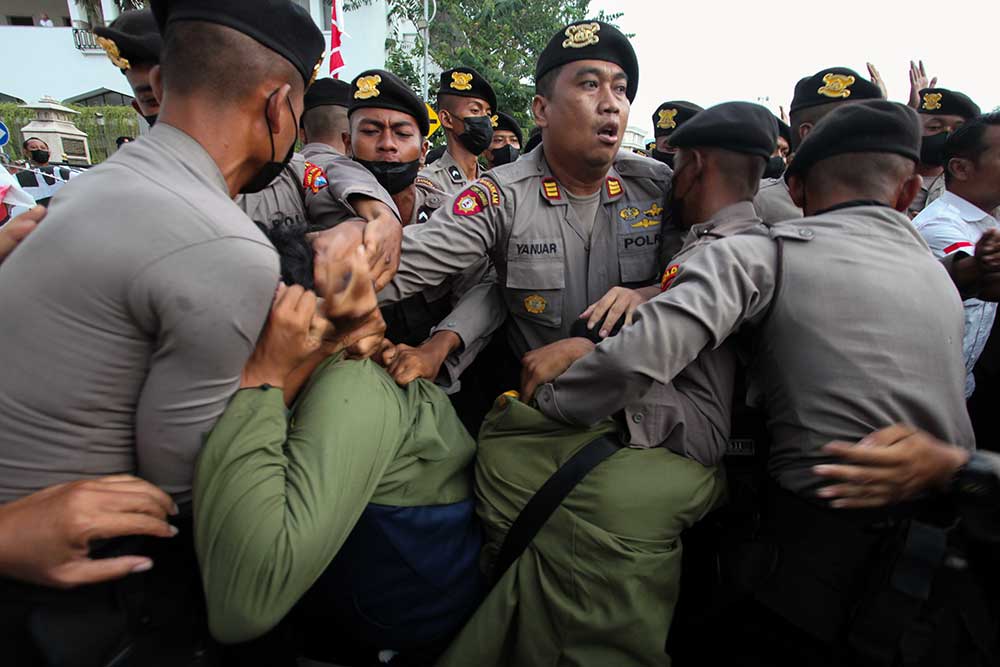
[957, 246]
[315, 178]
[478, 196]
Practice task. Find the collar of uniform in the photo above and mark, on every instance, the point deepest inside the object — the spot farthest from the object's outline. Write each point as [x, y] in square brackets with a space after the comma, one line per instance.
[553, 192]
[742, 211]
[188, 151]
[968, 211]
[450, 166]
[614, 186]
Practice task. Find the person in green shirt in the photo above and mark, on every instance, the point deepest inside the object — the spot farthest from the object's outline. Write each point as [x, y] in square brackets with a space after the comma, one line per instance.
[347, 517]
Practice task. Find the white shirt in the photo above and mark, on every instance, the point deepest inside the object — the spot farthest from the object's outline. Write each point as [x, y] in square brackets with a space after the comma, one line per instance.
[952, 225]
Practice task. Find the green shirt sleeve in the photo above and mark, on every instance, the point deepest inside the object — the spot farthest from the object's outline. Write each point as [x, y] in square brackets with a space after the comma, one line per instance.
[275, 499]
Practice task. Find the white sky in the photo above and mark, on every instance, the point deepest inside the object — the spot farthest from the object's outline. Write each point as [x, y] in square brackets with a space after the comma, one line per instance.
[710, 52]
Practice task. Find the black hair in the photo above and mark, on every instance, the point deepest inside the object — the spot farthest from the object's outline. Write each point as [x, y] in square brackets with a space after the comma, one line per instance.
[325, 122]
[545, 85]
[295, 252]
[967, 141]
[24, 146]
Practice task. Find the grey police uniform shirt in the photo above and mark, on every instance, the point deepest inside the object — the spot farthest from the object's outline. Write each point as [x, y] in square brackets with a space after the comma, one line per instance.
[446, 175]
[548, 271]
[330, 180]
[865, 332]
[128, 317]
[773, 202]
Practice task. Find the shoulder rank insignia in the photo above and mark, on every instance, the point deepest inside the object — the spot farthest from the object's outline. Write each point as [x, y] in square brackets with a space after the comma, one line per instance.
[114, 55]
[469, 202]
[666, 120]
[668, 276]
[614, 186]
[630, 213]
[315, 178]
[368, 87]
[316, 68]
[423, 181]
[456, 174]
[579, 36]
[461, 81]
[932, 101]
[535, 304]
[837, 85]
[550, 189]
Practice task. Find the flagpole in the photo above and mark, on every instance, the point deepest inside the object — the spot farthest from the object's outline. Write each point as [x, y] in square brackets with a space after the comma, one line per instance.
[427, 34]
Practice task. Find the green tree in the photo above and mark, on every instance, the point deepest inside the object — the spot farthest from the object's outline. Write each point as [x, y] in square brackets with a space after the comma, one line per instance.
[501, 39]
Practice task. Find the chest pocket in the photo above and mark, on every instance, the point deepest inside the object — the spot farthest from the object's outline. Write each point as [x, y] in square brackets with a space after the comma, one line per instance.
[535, 290]
[637, 254]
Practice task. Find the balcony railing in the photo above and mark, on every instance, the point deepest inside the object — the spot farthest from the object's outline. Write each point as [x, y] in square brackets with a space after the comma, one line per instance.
[85, 40]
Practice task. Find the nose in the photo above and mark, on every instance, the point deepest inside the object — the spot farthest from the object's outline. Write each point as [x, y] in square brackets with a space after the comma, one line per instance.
[609, 102]
[387, 143]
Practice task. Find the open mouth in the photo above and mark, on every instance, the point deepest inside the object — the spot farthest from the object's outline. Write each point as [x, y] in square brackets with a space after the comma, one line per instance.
[608, 133]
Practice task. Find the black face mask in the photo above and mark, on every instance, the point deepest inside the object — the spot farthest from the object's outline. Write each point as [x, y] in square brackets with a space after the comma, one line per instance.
[478, 134]
[505, 155]
[393, 176]
[40, 156]
[775, 167]
[271, 170]
[151, 120]
[665, 158]
[932, 149]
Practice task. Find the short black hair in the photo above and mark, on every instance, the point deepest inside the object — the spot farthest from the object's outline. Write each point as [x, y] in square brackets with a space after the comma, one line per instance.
[967, 141]
[810, 115]
[547, 82]
[294, 251]
[325, 122]
[24, 146]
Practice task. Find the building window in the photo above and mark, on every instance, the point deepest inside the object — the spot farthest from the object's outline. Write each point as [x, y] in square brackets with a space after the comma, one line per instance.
[20, 20]
[327, 8]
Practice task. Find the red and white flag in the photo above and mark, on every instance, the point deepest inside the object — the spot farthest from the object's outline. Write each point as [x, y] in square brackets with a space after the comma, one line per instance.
[336, 32]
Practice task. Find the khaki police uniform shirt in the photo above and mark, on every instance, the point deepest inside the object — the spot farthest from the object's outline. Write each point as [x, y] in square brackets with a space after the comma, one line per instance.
[773, 202]
[548, 271]
[865, 332]
[427, 199]
[128, 317]
[330, 180]
[446, 175]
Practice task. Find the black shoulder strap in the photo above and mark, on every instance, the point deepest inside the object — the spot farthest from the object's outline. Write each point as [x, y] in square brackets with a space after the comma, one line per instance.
[548, 498]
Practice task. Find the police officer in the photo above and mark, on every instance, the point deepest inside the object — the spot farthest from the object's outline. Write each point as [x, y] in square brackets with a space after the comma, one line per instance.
[854, 177]
[507, 141]
[133, 45]
[466, 104]
[942, 111]
[666, 119]
[815, 96]
[324, 121]
[155, 300]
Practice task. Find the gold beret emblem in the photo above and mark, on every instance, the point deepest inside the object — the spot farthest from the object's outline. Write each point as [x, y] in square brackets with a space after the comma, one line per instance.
[114, 55]
[461, 81]
[666, 120]
[932, 101]
[579, 36]
[837, 85]
[368, 87]
[535, 304]
[495, 120]
[319, 63]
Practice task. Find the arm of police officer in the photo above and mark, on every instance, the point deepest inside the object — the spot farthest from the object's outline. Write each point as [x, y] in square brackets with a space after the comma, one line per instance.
[45, 537]
[889, 466]
[275, 499]
[715, 291]
[18, 229]
[461, 233]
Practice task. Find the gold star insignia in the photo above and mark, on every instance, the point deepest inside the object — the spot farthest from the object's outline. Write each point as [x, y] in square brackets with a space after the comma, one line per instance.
[837, 85]
[932, 101]
[368, 87]
[667, 119]
[461, 81]
[579, 36]
[114, 55]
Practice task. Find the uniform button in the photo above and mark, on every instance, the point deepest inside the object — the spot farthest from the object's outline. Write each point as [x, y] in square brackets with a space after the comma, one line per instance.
[637, 418]
[450, 325]
[805, 233]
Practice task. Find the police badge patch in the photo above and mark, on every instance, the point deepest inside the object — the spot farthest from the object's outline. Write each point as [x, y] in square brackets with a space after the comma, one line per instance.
[535, 304]
[315, 178]
[469, 202]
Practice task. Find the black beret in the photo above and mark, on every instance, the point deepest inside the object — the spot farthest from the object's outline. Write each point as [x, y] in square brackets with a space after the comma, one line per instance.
[509, 123]
[434, 154]
[741, 127]
[467, 82]
[376, 88]
[875, 126]
[591, 40]
[784, 130]
[131, 39]
[280, 25]
[534, 138]
[327, 92]
[670, 115]
[834, 84]
[944, 102]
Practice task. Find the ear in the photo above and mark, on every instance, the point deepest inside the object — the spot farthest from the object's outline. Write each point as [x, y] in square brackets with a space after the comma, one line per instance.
[804, 130]
[156, 83]
[346, 137]
[303, 137]
[908, 192]
[424, 147]
[539, 109]
[275, 107]
[797, 189]
[959, 168]
[447, 121]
